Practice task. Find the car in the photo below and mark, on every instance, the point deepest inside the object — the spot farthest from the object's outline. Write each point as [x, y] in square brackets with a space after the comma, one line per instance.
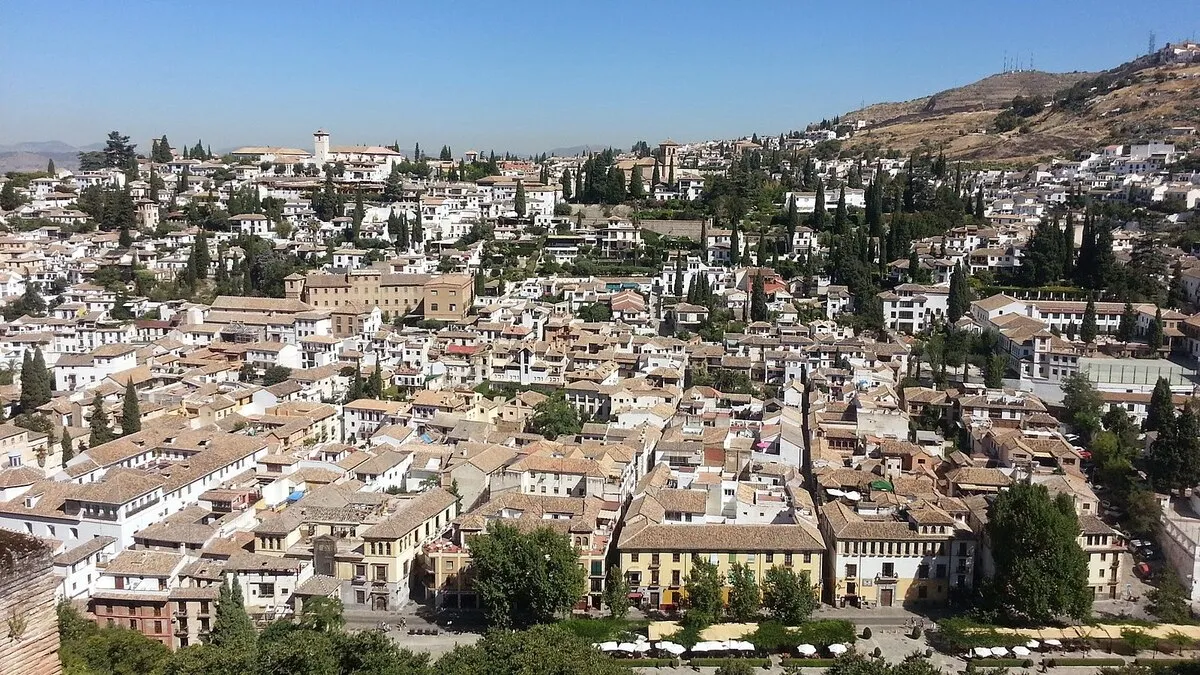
[1142, 570]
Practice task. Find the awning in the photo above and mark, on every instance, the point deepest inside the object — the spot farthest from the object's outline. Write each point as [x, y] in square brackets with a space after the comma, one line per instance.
[635, 595]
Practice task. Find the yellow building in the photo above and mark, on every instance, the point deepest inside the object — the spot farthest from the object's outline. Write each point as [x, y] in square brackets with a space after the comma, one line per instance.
[657, 558]
[391, 547]
[887, 554]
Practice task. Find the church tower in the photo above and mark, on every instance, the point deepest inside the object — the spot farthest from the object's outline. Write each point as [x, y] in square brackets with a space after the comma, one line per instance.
[667, 150]
[320, 147]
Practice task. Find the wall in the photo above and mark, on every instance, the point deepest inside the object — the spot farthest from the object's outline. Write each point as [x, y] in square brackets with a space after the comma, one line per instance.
[27, 591]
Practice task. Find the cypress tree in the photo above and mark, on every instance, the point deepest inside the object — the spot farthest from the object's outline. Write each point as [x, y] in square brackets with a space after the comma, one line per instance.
[979, 204]
[656, 176]
[1154, 335]
[101, 431]
[1160, 414]
[28, 384]
[579, 186]
[68, 448]
[375, 383]
[565, 181]
[50, 168]
[677, 288]
[758, 298]
[1104, 258]
[519, 200]
[704, 240]
[793, 219]
[914, 267]
[636, 191]
[1087, 332]
[734, 251]
[232, 630]
[959, 298]
[818, 219]
[131, 412]
[839, 215]
[1128, 323]
[43, 378]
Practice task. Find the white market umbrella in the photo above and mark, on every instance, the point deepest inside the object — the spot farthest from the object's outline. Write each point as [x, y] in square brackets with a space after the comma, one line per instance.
[999, 651]
[700, 647]
[1053, 643]
[806, 650]
[744, 645]
[1020, 651]
[1032, 644]
[641, 638]
[641, 647]
[608, 646]
[982, 652]
[626, 647]
[671, 648]
[837, 649]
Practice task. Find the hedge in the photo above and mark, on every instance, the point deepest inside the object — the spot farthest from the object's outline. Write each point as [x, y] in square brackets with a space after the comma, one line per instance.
[651, 663]
[808, 663]
[1161, 662]
[1055, 663]
[1003, 663]
[717, 663]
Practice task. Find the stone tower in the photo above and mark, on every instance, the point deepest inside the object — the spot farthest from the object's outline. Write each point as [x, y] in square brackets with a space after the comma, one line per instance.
[320, 147]
[29, 644]
[667, 153]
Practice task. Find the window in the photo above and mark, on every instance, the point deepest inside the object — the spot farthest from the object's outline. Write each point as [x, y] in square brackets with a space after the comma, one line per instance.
[941, 571]
[922, 571]
[360, 597]
[266, 590]
[922, 592]
[770, 558]
[633, 557]
[157, 626]
[433, 306]
[807, 557]
[674, 577]
[787, 559]
[654, 559]
[851, 570]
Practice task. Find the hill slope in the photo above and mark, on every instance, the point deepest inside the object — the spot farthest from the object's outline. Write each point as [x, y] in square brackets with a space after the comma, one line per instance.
[1135, 100]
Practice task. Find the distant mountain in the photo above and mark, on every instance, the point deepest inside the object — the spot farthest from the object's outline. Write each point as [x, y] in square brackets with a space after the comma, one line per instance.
[580, 149]
[39, 146]
[1144, 98]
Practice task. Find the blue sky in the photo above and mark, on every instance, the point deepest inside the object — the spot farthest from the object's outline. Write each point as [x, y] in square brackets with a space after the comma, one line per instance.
[525, 76]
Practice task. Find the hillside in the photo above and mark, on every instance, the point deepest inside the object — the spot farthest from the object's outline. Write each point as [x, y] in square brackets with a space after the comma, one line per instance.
[1135, 100]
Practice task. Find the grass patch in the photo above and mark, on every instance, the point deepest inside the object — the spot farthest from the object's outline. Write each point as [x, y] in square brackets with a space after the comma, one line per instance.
[1055, 663]
[602, 629]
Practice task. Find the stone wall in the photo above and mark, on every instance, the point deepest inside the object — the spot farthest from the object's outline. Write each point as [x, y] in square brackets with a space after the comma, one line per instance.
[28, 623]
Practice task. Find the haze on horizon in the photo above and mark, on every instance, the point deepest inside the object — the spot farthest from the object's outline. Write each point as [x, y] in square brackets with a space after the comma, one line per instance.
[527, 77]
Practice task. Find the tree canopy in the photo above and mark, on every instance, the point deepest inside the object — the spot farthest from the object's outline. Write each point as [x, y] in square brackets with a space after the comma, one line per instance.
[1041, 572]
[555, 417]
[525, 578]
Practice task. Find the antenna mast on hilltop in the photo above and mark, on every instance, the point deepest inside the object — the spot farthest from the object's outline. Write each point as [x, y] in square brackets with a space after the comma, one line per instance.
[1151, 41]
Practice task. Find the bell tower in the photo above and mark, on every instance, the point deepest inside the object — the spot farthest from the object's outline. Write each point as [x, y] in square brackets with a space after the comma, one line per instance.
[320, 147]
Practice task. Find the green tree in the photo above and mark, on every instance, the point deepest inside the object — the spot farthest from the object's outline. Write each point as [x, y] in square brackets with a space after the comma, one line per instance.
[1160, 413]
[636, 190]
[1128, 323]
[525, 578]
[1041, 572]
[959, 299]
[101, 430]
[232, 628]
[67, 447]
[537, 651]
[595, 313]
[735, 667]
[36, 387]
[118, 151]
[758, 298]
[275, 375]
[131, 412]
[1087, 331]
[161, 153]
[744, 597]
[9, 199]
[616, 593]
[50, 168]
[734, 251]
[1174, 457]
[1154, 334]
[555, 417]
[374, 386]
[1083, 405]
[1169, 599]
[565, 182]
[1137, 640]
[322, 614]
[519, 200]
[702, 593]
[993, 376]
[788, 596]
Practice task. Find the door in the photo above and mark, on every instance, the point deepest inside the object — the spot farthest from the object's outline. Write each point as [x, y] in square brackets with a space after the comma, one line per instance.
[654, 600]
[885, 597]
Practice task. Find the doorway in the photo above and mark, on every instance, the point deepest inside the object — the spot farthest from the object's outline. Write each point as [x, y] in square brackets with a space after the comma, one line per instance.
[885, 597]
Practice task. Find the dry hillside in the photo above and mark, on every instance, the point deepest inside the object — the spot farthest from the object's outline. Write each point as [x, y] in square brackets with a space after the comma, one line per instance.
[1145, 102]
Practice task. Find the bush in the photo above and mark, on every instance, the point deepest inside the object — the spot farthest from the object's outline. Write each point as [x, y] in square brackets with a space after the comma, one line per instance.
[1007, 663]
[916, 633]
[601, 629]
[1056, 663]
[866, 633]
[877, 653]
[655, 663]
[772, 636]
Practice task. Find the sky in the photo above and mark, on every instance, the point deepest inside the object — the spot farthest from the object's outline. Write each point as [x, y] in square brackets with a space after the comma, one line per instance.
[520, 76]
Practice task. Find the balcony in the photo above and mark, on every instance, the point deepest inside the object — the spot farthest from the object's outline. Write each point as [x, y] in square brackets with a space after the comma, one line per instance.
[886, 577]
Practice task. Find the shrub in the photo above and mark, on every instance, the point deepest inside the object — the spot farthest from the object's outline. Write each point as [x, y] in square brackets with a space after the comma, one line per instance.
[1056, 663]
[866, 633]
[877, 653]
[1007, 663]
[916, 633]
[657, 663]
